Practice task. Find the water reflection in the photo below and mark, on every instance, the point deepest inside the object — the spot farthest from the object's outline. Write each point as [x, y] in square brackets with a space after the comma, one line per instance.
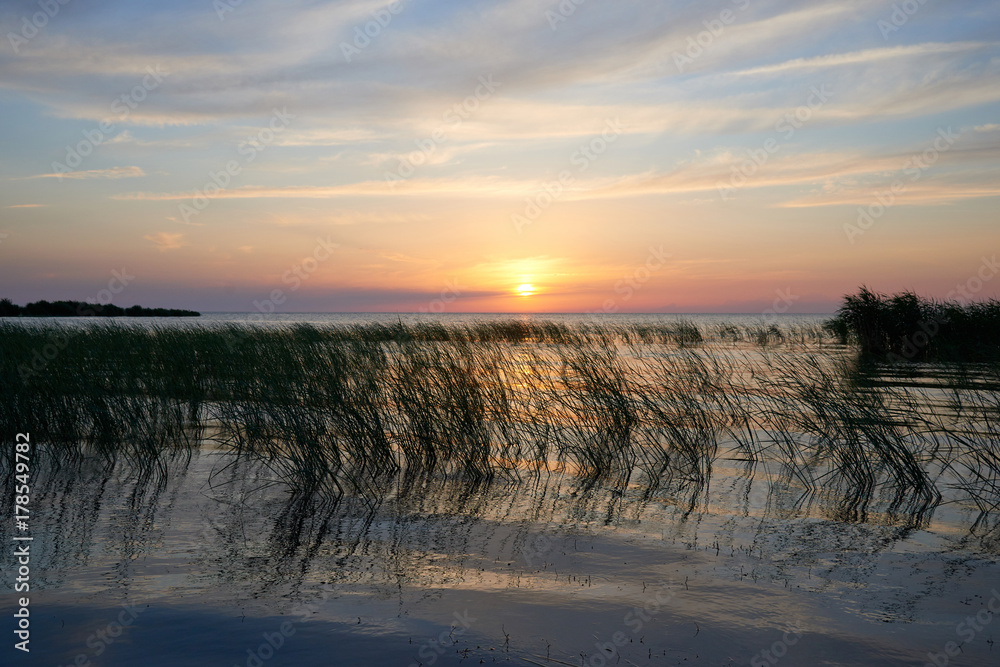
[244, 542]
[357, 476]
[233, 521]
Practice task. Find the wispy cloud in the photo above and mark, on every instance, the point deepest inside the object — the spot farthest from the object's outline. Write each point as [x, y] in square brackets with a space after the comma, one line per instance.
[865, 57]
[832, 170]
[28, 206]
[461, 186]
[701, 174]
[166, 240]
[112, 173]
[313, 218]
[682, 131]
[929, 193]
[325, 136]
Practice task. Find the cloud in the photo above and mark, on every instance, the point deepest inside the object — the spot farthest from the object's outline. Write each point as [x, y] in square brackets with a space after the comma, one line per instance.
[434, 156]
[865, 57]
[166, 240]
[405, 259]
[833, 170]
[214, 76]
[324, 136]
[470, 186]
[398, 88]
[929, 193]
[27, 206]
[112, 173]
[711, 173]
[314, 218]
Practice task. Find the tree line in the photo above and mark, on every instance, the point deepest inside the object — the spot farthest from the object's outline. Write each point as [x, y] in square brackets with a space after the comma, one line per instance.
[84, 309]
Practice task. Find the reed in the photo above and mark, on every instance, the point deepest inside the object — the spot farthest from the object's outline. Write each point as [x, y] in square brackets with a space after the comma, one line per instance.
[330, 411]
[906, 327]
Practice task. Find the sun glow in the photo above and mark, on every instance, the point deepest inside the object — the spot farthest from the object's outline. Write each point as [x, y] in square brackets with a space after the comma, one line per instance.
[527, 289]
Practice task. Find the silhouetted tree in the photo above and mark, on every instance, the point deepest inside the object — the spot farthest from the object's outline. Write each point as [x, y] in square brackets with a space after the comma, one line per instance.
[9, 309]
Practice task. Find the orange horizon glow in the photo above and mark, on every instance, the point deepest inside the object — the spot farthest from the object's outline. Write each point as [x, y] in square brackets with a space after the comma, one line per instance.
[253, 175]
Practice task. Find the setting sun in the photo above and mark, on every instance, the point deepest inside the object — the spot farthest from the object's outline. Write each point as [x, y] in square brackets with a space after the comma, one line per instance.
[527, 289]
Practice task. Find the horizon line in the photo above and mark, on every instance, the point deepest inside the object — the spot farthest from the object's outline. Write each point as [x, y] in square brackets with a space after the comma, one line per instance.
[496, 312]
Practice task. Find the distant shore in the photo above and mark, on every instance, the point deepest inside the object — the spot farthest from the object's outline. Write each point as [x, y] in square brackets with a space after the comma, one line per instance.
[84, 309]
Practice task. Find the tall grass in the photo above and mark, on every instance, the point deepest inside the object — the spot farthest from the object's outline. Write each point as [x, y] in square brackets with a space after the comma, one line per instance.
[905, 326]
[337, 410]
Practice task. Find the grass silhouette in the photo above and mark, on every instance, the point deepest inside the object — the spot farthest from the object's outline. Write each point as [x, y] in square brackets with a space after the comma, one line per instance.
[334, 410]
[906, 327]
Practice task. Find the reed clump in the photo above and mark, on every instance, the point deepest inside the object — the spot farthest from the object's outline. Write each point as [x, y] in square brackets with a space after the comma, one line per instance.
[906, 327]
[335, 410]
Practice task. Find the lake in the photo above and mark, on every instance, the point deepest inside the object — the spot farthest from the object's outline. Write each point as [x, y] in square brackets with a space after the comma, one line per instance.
[472, 489]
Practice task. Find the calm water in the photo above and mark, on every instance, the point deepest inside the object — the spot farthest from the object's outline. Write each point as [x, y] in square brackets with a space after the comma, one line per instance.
[205, 570]
[210, 561]
[456, 319]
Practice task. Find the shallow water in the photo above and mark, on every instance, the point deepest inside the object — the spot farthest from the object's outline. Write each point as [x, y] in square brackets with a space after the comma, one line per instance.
[217, 560]
[703, 320]
[438, 571]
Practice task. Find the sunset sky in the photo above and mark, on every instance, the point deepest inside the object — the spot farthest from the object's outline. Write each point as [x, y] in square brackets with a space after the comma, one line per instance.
[518, 156]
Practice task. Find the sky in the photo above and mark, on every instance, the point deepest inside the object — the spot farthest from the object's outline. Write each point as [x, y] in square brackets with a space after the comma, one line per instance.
[510, 156]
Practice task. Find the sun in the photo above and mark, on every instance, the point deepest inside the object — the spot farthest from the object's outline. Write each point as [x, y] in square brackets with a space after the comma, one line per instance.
[527, 289]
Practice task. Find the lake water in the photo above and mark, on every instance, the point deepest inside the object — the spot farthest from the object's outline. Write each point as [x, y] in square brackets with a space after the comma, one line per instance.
[706, 320]
[212, 560]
